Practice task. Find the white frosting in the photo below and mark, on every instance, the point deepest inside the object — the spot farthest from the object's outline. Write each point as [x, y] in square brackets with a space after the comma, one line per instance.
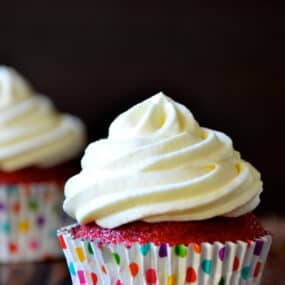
[32, 132]
[158, 164]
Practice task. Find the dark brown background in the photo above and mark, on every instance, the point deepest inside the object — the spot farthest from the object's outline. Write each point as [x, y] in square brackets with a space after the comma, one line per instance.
[220, 58]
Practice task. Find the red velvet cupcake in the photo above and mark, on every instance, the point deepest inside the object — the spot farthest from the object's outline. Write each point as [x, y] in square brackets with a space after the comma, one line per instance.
[164, 201]
[36, 145]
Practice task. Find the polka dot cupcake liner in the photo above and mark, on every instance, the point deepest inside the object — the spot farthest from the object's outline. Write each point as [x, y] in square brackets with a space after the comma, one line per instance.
[230, 263]
[30, 214]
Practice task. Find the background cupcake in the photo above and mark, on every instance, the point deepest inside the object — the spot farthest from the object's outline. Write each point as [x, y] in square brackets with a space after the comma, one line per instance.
[37, 145]
[164, 201]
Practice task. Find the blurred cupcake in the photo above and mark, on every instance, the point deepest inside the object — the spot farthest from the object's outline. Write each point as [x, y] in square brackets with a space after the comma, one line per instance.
[37, 145]
[164, 201]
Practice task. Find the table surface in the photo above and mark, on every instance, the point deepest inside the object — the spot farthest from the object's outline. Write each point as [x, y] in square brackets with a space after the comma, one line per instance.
[55, 273]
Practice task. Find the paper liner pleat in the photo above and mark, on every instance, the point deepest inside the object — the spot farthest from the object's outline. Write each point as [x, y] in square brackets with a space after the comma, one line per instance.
[30, 214]
[230, 263]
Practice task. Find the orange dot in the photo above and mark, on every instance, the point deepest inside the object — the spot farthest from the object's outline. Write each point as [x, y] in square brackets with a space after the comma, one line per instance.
[104, 269]
[26, 190]
[197, 247]
[47, 196]
[16, 207]
[134, 269]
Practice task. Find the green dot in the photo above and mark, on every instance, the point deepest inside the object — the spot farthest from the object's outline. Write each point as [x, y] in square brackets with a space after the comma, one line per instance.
[180, 250]
[207, 266]
[221, 282]
[116, 258]
[245, 272]
[89, 248]
[33, 205]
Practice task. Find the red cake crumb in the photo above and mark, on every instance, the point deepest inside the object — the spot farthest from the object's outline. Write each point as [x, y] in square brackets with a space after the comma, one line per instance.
[35, 175]
[244, 228]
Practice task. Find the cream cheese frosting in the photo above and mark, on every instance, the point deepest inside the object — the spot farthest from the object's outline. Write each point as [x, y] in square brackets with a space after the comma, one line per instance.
[158, 164]
[32, 132]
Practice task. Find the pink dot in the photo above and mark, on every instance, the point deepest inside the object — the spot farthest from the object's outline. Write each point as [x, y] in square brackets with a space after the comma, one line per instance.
[150, 276]
[33, 244]
[119, 282]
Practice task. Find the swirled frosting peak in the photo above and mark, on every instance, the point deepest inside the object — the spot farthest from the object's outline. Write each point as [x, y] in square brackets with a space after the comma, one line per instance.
[158, 164]
[32, 132]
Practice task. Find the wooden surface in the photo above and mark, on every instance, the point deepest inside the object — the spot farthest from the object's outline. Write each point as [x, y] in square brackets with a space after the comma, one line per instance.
[56, 273]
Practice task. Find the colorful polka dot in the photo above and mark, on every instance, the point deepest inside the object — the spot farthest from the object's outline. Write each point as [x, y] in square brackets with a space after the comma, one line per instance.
[104, 270]
[11, 190]
[257, 269]
[16, 207]
[171, 280]
[222, 253]
[221, 282]
[134, 269]
[26, 191]
[245, 272]
[162, 250]
[150, 276]
[258, 247]
[2, 206]
[40, 221]
[206, 266]
[47, 196]
[145, 249]
[6, 227]
[236, 264]
[100, 245]
[13, 248]
[80, 254]
[32, 205]
[24, 226]
[94, 278]
[191, 275]
[62, 242]
[72, 269]
[89, 248]
[116, 258]
[180, 250]
[197, 247]
[34, 244]
[81, 277]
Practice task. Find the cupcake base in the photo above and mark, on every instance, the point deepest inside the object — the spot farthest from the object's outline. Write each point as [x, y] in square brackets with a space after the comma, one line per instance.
[96, 262]
[29, 217]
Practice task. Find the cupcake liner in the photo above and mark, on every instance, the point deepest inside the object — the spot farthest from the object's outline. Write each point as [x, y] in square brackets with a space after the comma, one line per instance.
[230, 263]
[29, 217]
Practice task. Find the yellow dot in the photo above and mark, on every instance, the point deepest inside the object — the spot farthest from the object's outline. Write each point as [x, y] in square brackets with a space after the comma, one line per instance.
[171, 279]
[24, 226]
[80, 254]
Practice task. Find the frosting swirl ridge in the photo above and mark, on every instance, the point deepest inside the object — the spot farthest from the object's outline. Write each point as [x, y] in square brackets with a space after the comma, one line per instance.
[158, 164]
[32, 132]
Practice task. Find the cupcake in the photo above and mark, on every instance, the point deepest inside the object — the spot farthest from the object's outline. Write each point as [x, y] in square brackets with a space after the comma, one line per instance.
[37, 147]
[163, 201]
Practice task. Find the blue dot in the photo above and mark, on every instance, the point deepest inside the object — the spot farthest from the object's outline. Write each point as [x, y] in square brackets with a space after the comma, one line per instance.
[11, 190]
[245, 272]
[72, 269]
[6, 227]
